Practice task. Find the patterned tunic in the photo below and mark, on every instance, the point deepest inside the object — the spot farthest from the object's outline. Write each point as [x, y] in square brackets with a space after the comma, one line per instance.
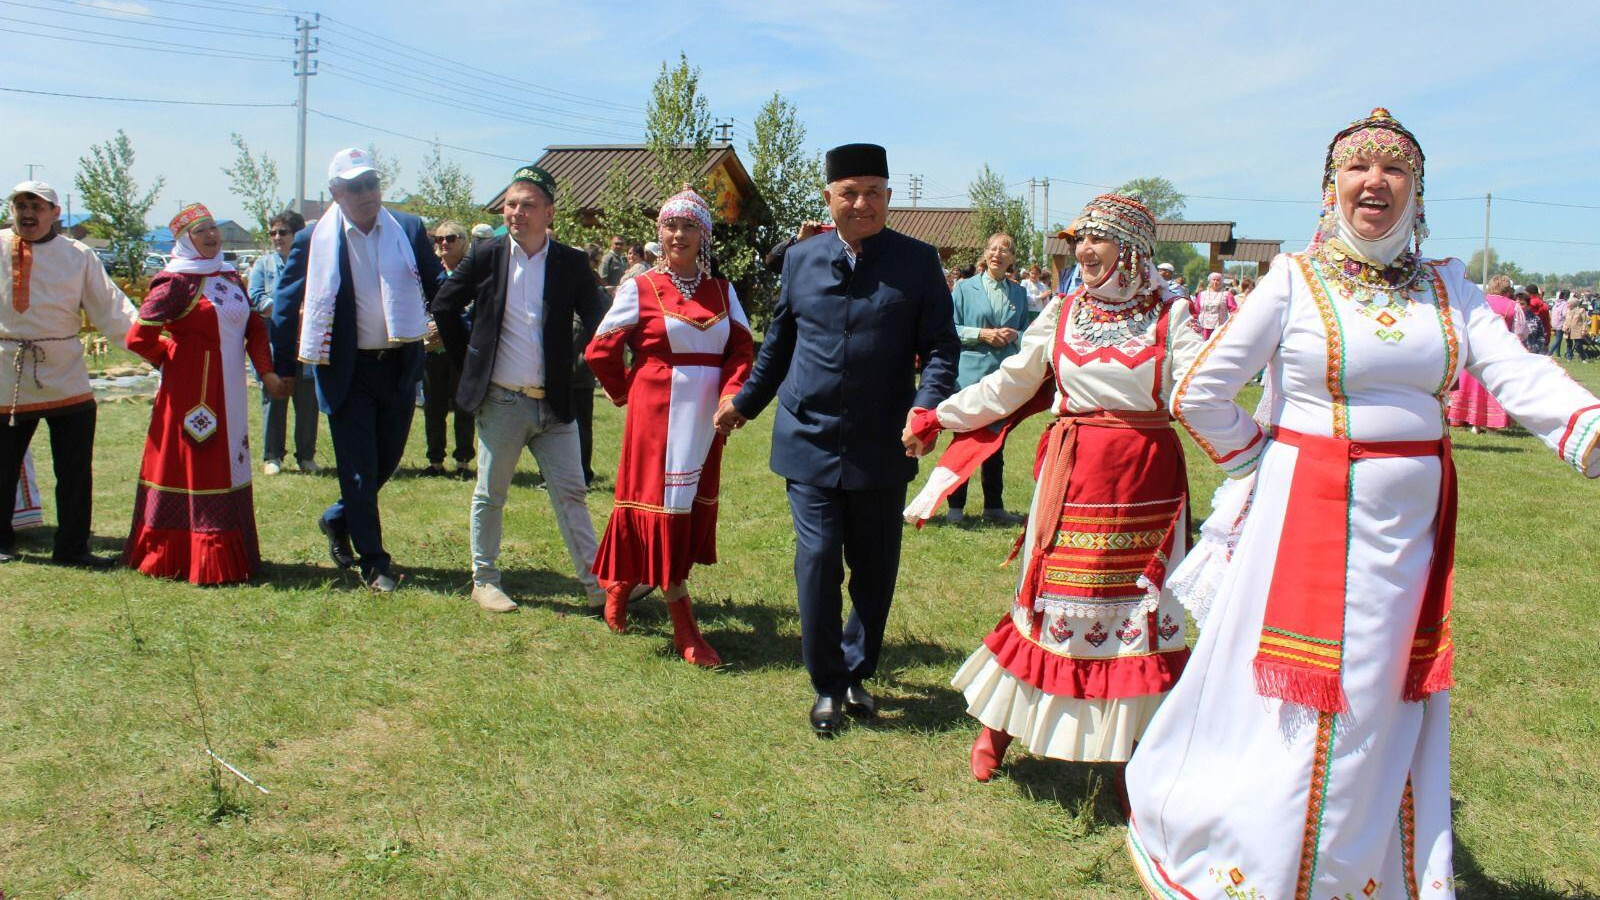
[1093, 641]
[687, 355]
[1238, 795]
[193, 514]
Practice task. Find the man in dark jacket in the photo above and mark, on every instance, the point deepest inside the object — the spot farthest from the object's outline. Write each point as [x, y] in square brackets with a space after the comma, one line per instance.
[377, 270]
[857, 310]
[531, 296]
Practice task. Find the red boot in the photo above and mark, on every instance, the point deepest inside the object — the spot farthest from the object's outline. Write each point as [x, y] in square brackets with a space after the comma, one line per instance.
[987, 752]
[616, 613]
[686, 636]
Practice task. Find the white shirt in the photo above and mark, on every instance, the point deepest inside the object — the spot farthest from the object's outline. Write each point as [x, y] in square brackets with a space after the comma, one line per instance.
[372, 332]
[849, 253]
[519, 363]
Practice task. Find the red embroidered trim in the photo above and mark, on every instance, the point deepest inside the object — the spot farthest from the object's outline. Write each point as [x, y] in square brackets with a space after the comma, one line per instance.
[1572, 423]
[1408, 840]
[1315, 799]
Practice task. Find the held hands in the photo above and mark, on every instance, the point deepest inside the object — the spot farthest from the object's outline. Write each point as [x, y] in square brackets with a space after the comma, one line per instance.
[727, 418]
[807, 229]
[277, 387]
[915, 436]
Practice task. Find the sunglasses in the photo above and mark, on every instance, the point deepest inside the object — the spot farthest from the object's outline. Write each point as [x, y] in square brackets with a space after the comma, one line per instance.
[362, 185]
[446, 238]
[280, 232]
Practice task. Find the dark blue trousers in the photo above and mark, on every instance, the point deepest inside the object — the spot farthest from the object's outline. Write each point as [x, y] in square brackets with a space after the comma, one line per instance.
[834, 528]
[369, 433]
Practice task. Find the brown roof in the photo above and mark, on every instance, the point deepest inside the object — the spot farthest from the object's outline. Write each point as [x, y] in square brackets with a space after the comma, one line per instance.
[1254, 250]
[943, 227]
[581, 172]
[1176, 230]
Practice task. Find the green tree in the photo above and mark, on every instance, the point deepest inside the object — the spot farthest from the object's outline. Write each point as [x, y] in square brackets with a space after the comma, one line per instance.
[444, 191]
[254, 180]
[388, 172]
[105, 182]
[1158, 194]
[678, 117]
[994, 211]
[790, 183]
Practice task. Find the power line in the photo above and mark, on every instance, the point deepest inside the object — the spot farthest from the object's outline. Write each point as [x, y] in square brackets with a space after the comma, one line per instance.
[412, 137]
[246, 57]
[435, 59]
[365, 59]
[462, 104]
[132, 18]
[1493, 238]
[249, 9]
[138, 99]
[1544, 203]
[112, 34]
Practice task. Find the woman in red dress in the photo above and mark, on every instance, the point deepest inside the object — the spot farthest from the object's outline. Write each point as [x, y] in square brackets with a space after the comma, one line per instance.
[193, 516]
[691, 347]
[1471, 404]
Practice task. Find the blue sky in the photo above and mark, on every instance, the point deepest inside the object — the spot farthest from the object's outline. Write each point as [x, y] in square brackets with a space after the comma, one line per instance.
[1228, 101]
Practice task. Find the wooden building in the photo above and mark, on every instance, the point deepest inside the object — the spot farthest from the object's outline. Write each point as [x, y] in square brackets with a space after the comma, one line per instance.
[582, 172]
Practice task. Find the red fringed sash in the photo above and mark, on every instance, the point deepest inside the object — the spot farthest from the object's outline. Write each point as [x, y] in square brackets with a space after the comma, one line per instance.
[1302, 638]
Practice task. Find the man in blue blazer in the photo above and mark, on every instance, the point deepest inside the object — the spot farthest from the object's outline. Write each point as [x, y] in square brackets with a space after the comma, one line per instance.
[858, 309]
[367, 348]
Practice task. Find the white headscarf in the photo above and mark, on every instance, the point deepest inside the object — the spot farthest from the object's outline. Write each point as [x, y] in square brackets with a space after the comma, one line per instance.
[186, 260]
[1382, 250]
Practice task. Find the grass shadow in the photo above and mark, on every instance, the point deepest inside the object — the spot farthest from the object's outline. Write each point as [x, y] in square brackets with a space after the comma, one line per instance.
[1457, 447]
[1475, 884]
[1087, 790]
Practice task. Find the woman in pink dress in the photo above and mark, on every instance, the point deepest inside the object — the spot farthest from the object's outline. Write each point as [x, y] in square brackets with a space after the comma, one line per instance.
[691, 347]
[1471, 403]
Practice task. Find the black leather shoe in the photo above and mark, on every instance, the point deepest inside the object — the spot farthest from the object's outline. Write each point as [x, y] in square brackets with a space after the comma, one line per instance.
[384, 581]
[859, 703]
[339, 549]
[8, 554]
[826, 716]
[85, 560]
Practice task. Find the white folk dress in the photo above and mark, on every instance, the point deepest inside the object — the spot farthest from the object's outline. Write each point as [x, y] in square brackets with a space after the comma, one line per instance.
[1236, 795]
[1076, 670]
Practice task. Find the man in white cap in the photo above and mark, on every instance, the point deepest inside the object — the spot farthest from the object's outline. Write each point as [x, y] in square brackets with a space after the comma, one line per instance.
[352, 301]
[48, 281]
[1169, 273]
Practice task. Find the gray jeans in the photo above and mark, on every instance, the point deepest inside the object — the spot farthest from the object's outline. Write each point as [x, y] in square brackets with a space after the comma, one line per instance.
[508, 422]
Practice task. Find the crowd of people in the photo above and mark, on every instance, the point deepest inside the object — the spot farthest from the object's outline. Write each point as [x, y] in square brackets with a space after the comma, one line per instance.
[1298, 745]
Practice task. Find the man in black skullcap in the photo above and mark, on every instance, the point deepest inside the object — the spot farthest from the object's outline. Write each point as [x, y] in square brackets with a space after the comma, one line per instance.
[857, 310]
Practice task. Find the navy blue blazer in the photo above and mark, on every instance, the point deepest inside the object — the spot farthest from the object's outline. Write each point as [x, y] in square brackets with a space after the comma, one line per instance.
[841, 355]
[333, 378]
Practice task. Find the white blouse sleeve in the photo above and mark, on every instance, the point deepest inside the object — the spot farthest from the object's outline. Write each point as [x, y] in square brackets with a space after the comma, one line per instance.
[1203, 400]
[1536, 391]
[624, 311]
[1184, 343]
[1006, 389]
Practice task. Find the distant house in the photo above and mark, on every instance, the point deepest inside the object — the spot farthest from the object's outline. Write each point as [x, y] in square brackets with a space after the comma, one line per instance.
[582, 172]
[948, 228]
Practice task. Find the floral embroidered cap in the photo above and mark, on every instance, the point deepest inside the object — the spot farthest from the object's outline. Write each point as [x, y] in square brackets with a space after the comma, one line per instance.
[686, 204]
[187, 218]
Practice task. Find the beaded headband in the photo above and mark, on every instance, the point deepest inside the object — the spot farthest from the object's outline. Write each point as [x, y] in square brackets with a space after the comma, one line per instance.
[1121, 219]
[1380, 134]
[187, 218]
[686, 204]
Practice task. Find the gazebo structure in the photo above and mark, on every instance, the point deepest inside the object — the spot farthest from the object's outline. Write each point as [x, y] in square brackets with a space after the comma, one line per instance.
[1254, 250]
[947, 228]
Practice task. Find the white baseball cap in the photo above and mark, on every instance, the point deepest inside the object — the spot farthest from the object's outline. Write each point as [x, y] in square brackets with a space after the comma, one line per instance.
[653, 248]
[1165, 267]
[350, 163]
[482, 230]
[38, 189]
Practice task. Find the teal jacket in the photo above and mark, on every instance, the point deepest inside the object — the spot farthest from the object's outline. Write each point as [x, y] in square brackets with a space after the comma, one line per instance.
[975, 309]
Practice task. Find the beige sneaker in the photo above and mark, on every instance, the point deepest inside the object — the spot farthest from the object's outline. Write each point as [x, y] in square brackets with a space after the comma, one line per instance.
[271, 468]
[491, 598]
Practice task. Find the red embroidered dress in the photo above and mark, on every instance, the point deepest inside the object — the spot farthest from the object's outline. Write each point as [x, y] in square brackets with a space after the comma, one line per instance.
[687, 355]
[1078, 666]
[193, 516]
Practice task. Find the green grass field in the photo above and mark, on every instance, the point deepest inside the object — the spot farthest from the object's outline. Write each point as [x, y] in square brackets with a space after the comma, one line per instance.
[415, 747]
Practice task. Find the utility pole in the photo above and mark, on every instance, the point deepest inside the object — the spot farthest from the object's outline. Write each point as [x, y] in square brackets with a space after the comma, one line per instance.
[1045, 224]
[304, 68]
[1487, 200]
[916, 189]
[724, 130]
[31, 167]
